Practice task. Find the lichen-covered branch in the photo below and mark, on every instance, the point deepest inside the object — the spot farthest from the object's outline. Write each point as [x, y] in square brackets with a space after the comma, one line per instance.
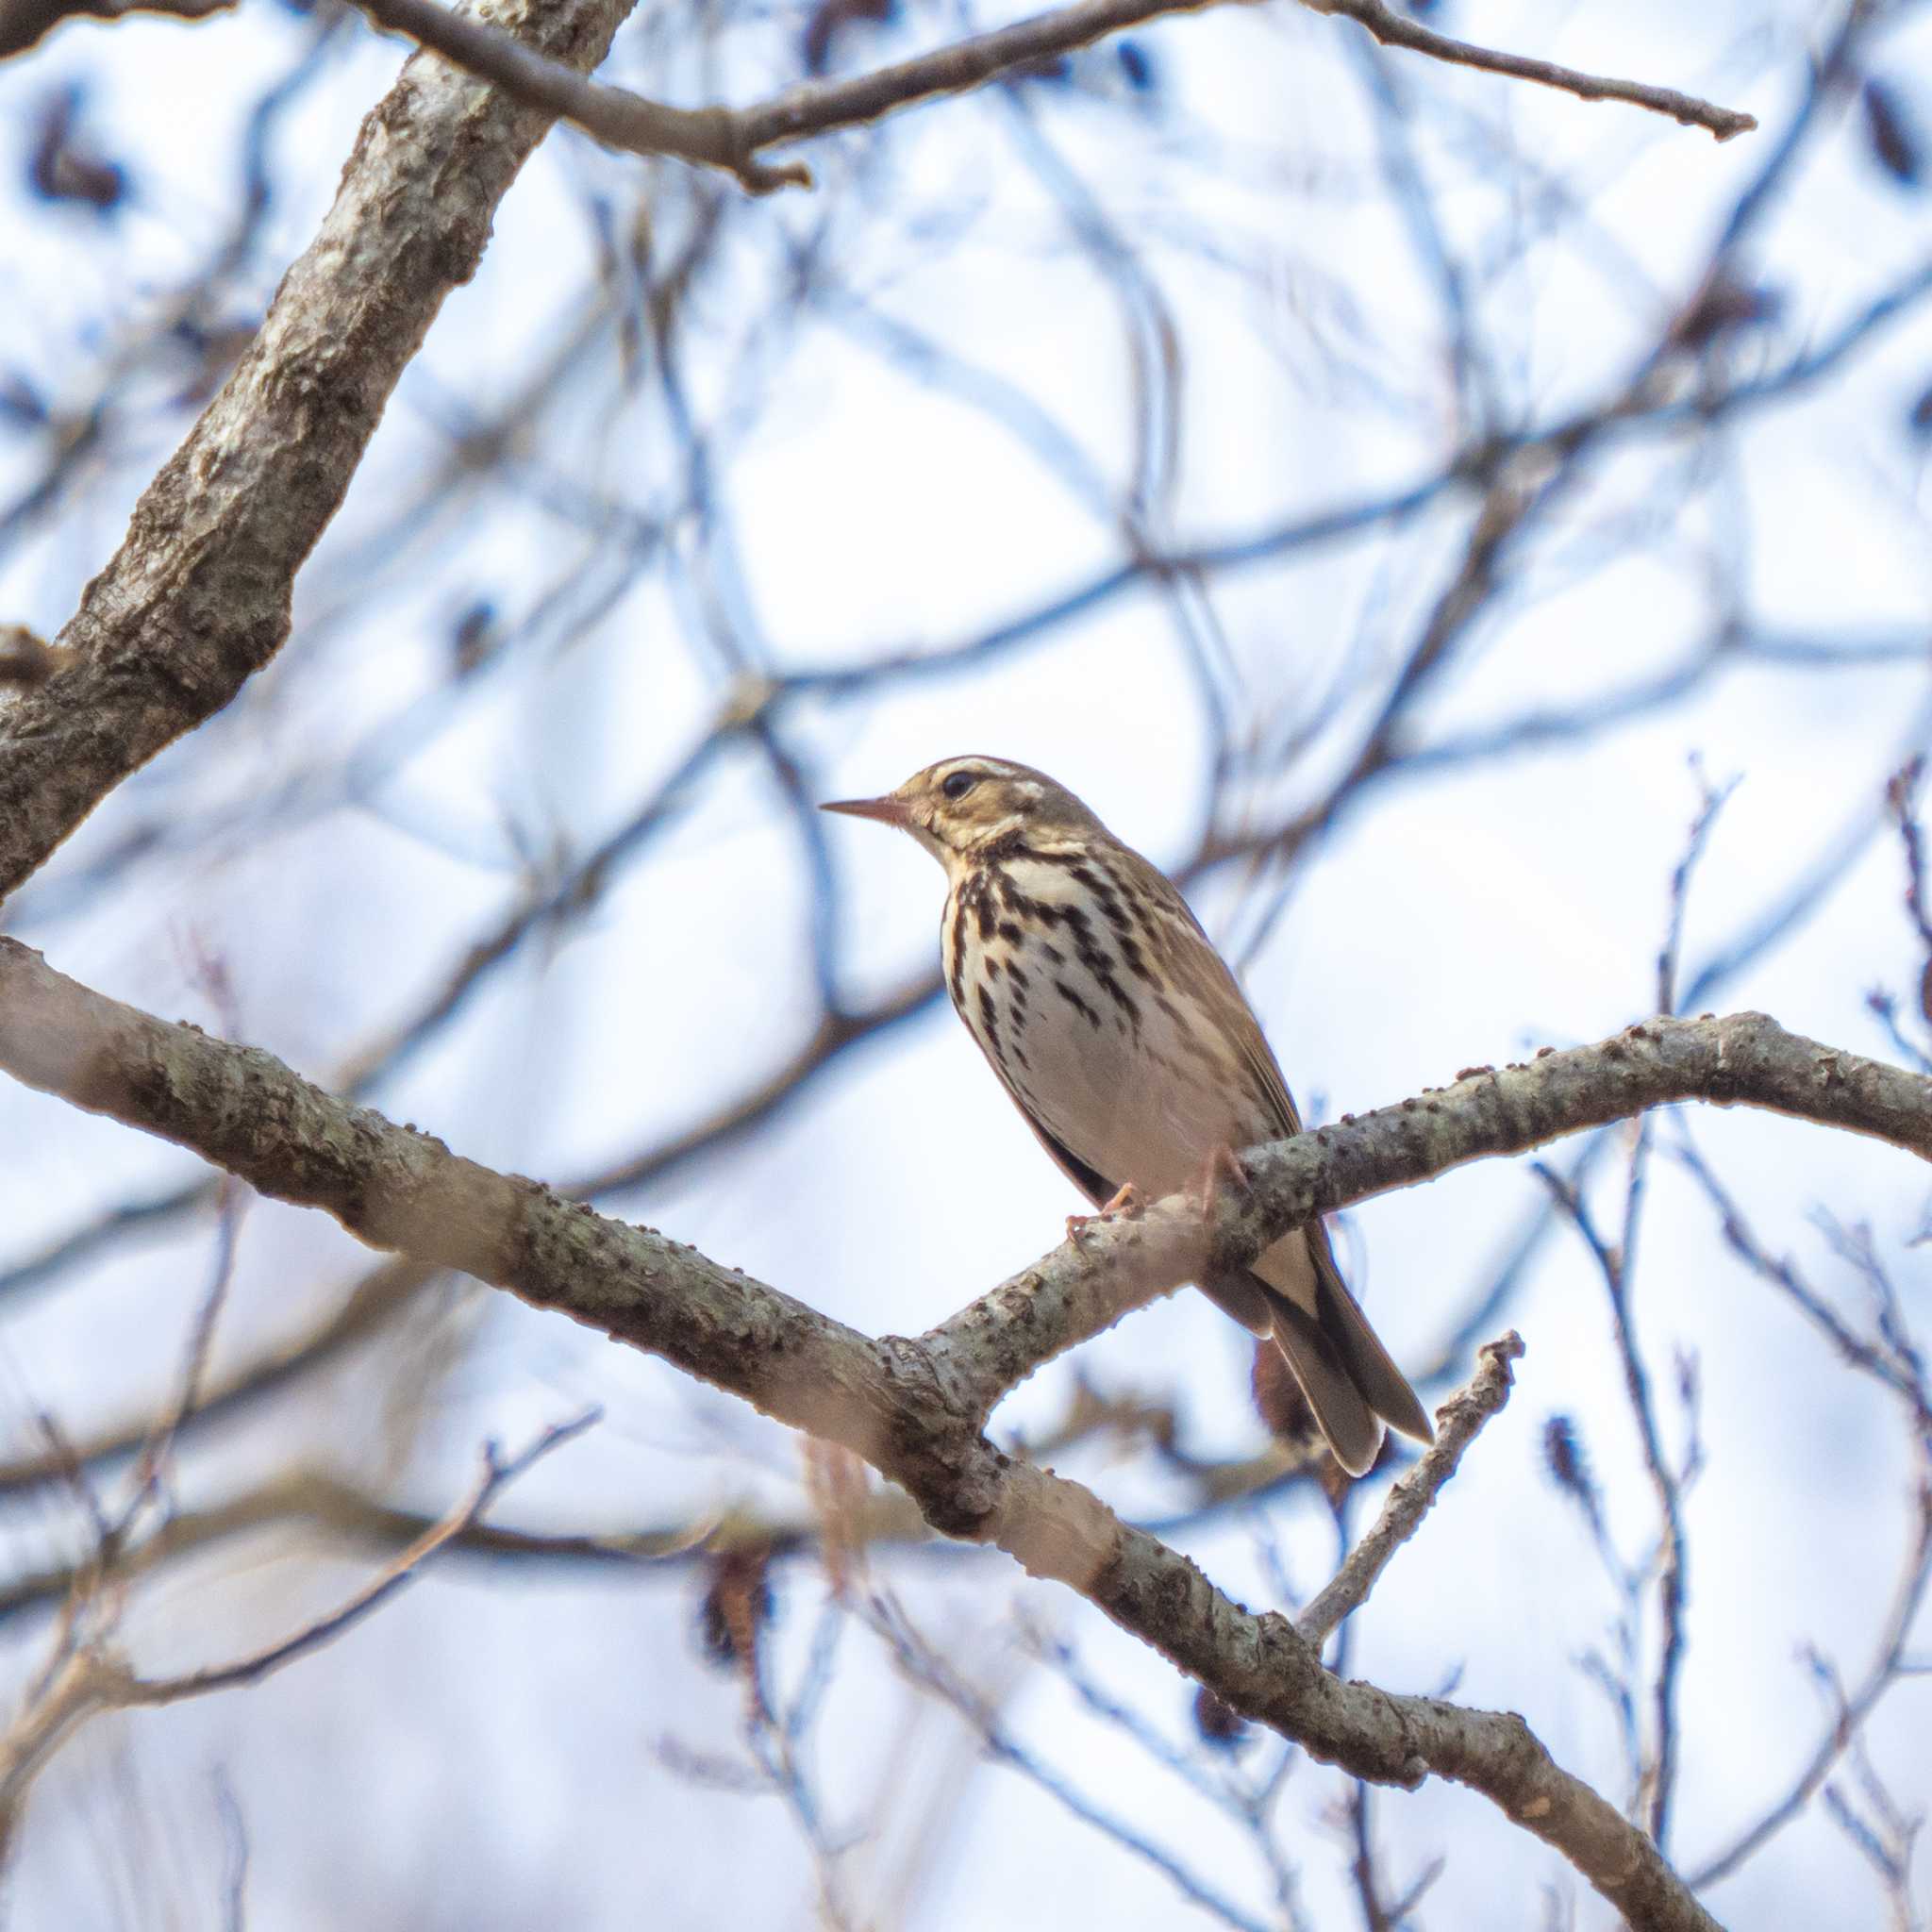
[915, 1407]
[1743, 1059]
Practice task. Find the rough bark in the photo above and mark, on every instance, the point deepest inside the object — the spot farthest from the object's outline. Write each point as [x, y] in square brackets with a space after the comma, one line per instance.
[196, 600]
[915, 1407]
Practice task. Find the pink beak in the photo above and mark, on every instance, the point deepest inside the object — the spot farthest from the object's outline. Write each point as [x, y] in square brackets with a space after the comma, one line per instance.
[887, 811]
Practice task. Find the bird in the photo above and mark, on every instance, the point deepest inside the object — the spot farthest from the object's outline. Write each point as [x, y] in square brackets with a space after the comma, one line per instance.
[1126, 1044]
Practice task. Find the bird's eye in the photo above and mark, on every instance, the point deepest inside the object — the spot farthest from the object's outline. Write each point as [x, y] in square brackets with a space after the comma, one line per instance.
[958, 784]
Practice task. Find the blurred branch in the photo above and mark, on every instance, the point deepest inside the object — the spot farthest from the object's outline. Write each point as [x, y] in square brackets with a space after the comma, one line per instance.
[883, 1518]
[923, 1665]
[1657, 1767]
[1889, 1356]
[1901, 797]
[85, 1677]
[1883, 1832]
[27, 662]
[612, 115]
[1244, 1795]
[1413, 1495]
[1870, 1356]
[732, 138]
[23, 23]
[375, 1300]
[218, 622]
[1395, 30]
[915, 1407]
[306, 1500]
[1889, 1664]
[196, 599]
[157, 1450]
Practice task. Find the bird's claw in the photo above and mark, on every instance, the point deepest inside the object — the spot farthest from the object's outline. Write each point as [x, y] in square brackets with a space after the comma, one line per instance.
[1126, 1204]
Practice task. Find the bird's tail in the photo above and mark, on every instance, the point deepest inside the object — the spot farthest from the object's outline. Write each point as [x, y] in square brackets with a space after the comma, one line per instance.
[1350, 1380]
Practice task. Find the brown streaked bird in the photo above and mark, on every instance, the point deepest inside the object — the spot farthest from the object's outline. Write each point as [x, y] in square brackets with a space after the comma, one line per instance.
[1123, 1039]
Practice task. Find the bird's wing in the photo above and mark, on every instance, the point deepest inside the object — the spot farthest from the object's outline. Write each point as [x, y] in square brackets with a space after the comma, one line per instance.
[1243, 1030]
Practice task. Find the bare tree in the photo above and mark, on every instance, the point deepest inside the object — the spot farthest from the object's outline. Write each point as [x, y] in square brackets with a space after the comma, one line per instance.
[1495, 524]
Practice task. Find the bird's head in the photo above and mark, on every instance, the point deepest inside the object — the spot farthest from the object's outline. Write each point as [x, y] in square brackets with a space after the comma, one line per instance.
[960, 808]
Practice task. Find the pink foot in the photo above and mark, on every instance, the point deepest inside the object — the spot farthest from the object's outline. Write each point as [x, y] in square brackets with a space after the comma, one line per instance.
[1126, 1202]
[1222, 1169]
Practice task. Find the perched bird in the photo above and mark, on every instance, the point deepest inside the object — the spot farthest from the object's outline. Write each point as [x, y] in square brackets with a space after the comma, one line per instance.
[1125, 1041]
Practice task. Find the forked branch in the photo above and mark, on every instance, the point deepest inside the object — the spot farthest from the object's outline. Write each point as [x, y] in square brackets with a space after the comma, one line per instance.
[915, 1408]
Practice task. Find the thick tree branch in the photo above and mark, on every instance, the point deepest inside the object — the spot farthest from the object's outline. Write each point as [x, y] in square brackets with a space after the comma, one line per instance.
[196, 599]
[914, 1408]
[1744, 1060]
[245, 1112]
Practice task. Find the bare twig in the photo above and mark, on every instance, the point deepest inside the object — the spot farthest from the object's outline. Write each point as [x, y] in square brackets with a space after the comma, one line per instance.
[1854, 1349]
[1395, 30]
[1902, 798]
[732, 139]
[156, 1451]
[1711, 803]
[90, 1678]
[1655, 1758]
[1457, 1423]
[1890, 1664]
[923, 1665]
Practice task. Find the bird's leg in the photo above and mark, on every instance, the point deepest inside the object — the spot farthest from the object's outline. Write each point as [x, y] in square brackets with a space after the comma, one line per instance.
[1222, 1169]
[1126, 1201]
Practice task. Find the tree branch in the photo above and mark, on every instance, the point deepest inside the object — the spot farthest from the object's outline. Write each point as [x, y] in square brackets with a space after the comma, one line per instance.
[1413, 1495]
[85, 1676]
[1395, 30]
[914, 1407]
[23, 23]
[732, 138]
[196, 599]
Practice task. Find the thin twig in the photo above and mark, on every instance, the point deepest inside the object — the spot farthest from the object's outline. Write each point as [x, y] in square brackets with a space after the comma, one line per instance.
[1783, 1275]
[495, 1475]
[1701, 826]
[1393, 30]
[731, 139]
[923, 1664]
[156, 1451]
[91, 1678]
[1457, 1423]
[1657, 1767]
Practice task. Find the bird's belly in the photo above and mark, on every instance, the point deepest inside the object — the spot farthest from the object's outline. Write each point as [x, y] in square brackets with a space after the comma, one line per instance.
[1123, 1086]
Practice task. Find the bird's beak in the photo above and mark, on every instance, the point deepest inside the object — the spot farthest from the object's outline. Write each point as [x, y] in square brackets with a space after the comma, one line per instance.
[887, 811]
